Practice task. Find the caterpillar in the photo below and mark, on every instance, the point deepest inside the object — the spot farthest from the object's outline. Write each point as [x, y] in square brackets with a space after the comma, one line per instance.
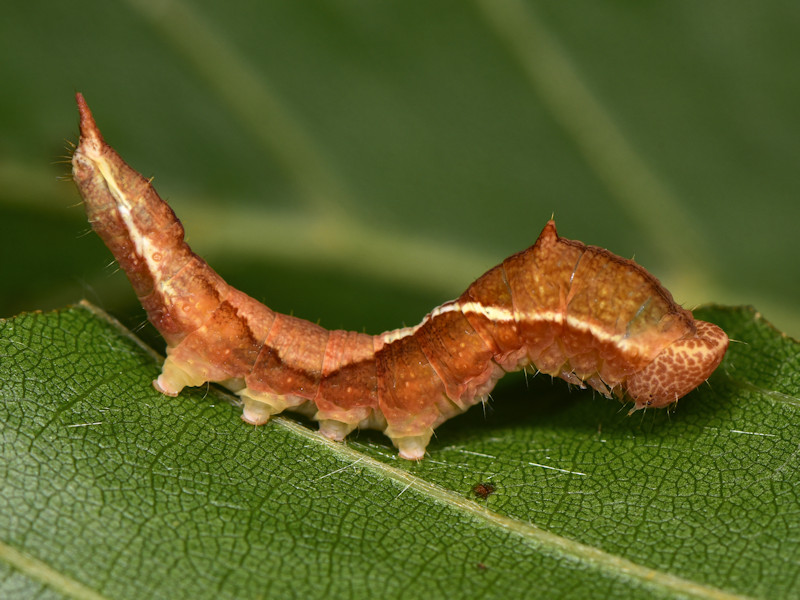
[566, 309]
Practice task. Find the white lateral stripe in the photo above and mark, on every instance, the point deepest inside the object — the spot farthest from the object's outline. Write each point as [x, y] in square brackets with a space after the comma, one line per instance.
[144, 247]
[504, 315]
[391, 336]
[493, 313]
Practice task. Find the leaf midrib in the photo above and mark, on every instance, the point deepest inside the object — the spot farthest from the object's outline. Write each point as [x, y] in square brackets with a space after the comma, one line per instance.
[39, 571]
[529, 533]
[540, 540]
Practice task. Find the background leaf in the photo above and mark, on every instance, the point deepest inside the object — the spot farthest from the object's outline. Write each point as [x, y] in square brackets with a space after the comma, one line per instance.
[324, 151]
[111, 489]
[359, 163]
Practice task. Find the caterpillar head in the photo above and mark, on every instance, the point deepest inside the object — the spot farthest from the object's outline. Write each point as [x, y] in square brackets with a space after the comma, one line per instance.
[679, 368]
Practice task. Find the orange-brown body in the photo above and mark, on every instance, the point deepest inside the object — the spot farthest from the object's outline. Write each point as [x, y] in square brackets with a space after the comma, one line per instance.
[569, 310]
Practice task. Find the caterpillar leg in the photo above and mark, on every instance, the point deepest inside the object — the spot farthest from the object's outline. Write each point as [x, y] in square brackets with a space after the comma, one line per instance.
[255, 412]
[335, 430]
[413, 447]
[176, 376]
[258, 407]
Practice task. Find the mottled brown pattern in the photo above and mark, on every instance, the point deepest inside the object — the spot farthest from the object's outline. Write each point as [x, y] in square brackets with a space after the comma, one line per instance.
[688, 357]
[573, 311]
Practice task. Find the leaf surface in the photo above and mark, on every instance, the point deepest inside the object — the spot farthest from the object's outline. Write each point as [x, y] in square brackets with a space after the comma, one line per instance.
[359, 163]
[113, 490]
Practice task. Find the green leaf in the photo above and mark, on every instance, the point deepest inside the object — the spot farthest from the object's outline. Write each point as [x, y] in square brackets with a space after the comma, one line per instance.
[111, 490]
[359, 163]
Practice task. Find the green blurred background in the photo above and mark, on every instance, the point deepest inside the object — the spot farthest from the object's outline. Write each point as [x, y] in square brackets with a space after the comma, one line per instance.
[358, 162]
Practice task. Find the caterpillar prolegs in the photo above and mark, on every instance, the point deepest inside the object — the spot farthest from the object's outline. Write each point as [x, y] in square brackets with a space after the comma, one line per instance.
[570, 310]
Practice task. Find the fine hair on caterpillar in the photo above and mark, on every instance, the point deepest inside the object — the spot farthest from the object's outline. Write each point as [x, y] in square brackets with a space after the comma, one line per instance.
[561, 307]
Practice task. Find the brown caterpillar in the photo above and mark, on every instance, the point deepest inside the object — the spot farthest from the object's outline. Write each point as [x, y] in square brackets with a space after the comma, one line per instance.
[572, 311]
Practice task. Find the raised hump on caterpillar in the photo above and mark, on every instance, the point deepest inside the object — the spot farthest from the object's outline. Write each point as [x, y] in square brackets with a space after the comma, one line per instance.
[569, 310]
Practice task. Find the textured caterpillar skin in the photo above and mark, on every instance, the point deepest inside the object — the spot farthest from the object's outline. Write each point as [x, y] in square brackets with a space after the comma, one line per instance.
[569, 310]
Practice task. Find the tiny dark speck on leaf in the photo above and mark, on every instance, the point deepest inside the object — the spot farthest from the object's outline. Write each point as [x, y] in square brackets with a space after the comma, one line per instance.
[483, 490]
